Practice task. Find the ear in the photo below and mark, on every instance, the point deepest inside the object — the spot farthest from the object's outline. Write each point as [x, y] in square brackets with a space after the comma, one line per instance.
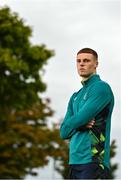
[96, 64]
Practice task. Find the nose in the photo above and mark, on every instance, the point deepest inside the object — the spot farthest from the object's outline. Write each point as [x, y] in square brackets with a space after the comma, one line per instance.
[81, 63]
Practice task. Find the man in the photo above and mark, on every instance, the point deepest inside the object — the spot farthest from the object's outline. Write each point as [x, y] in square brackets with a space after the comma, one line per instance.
[87, 122]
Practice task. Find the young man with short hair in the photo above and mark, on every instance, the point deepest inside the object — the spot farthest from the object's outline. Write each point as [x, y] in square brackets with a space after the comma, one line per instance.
[87, 122]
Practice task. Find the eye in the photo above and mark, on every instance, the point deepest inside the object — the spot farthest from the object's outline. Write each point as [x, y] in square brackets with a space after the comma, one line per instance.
[86, 60]
[78, 60]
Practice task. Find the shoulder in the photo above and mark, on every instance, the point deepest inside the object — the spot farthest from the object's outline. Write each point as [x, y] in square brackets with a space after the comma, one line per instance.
[101, 87]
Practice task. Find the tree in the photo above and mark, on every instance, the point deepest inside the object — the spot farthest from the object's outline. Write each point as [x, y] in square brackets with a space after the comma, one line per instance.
[60, 152]
[24, 134]
[114, 166]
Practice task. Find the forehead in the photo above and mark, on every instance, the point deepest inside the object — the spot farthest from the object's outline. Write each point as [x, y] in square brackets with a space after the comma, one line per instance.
[85, 56]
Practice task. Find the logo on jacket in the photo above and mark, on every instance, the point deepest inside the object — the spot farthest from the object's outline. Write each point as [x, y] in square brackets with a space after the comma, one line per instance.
[85, 96]
[75, 98]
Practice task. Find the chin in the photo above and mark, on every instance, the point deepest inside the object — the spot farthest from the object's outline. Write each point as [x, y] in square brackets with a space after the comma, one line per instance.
[85, 75]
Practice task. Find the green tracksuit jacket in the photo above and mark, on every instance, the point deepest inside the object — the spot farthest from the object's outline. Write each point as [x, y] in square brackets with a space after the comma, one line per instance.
[94, 100]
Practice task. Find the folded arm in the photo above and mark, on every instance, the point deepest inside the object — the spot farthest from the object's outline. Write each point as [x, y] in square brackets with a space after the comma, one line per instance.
[99, 97]
[65, 131]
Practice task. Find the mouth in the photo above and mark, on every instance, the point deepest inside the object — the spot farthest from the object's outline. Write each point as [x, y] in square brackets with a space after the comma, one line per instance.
[82, 69]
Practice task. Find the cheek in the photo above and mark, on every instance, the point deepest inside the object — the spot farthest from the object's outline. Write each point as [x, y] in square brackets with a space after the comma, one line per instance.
[92, 66]
[77, 66]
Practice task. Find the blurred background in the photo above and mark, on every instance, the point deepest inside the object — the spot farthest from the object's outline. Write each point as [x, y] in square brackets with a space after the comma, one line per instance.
[39, 40]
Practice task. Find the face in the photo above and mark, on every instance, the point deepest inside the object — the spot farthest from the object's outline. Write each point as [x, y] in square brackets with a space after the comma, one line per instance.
[86, 64]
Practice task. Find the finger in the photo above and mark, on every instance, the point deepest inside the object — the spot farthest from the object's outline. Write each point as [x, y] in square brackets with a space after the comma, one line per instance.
[89, 126]
[91, 123]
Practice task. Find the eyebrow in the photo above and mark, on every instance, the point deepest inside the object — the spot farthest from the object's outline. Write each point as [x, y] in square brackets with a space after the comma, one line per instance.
[83, 59]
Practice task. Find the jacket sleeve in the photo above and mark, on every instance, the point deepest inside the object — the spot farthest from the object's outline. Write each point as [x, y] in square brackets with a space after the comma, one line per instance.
[65, 131]
[99, 97]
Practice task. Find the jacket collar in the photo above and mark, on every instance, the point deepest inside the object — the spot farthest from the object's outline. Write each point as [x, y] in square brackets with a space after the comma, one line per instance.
[92, 79]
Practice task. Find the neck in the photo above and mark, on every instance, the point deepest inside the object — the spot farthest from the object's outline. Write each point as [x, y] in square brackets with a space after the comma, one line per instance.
[86, 78]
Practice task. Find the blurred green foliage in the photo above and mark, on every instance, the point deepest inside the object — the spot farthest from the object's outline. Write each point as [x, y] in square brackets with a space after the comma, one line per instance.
[25, 139]
[114, 166]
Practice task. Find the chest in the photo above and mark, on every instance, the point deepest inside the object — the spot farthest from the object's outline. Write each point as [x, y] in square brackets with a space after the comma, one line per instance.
[80, 99]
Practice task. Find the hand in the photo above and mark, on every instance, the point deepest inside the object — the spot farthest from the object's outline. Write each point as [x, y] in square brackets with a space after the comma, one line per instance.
[91, 124]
